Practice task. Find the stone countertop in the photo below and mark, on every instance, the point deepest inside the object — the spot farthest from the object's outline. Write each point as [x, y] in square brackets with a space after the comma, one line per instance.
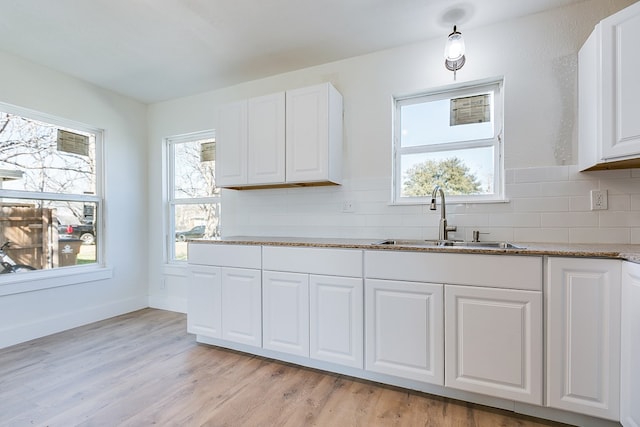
[618, 251]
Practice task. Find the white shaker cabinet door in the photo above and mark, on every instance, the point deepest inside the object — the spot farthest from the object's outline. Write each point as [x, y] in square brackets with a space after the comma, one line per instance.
[242, 307]
[266, 139]
[285, 308]
[583, 336]
[231, 145]
[621, 86]
[203, 304]
[403, 329]
[336, 319]
[630, 347]
[493, 342]
[314, 134]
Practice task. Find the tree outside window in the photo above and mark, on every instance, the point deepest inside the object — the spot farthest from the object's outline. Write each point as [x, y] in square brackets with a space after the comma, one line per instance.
[50, 196]
[451, 138]
[194, 199]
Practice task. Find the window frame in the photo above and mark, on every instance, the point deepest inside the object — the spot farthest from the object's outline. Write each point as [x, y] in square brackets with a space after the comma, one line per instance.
[50, 278]
[496, 141]
[169, 182]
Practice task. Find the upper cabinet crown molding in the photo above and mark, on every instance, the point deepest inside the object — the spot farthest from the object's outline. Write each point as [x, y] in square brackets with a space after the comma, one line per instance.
[291, 138]
[608, 93]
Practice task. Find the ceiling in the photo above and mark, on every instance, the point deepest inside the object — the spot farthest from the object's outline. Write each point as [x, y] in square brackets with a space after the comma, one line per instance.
[154, 50]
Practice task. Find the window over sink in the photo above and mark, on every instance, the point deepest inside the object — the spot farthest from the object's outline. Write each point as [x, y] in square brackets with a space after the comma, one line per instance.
[451, 137]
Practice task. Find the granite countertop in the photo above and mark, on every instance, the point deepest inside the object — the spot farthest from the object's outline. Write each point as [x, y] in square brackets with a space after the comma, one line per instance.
[618, 251]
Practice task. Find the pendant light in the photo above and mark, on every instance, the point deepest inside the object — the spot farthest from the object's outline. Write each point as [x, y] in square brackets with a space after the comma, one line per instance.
[454, 52]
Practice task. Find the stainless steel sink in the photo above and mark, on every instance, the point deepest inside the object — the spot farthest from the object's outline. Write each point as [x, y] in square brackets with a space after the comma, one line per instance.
[458, 243]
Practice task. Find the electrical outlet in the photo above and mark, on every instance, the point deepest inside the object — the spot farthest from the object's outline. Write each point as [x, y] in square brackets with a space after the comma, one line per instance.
[598, 200]
[347, 206]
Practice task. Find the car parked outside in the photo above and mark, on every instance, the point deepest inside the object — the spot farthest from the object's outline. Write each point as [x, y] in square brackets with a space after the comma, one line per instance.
[195, 233]
[84, 232]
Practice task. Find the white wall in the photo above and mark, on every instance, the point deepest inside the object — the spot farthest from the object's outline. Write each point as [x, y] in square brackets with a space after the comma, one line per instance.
[537, 55]
[24, 316]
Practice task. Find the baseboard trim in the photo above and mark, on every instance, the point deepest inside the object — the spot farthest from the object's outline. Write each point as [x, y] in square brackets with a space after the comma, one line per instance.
[16, 334]
[176, 304]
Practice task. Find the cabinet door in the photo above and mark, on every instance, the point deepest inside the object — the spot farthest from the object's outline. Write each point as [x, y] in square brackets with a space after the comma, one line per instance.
[265, 139]
[231, 145]
[493, 342]
[241, 310]
[313, 134]
[203, 302]
[620, 83]
[630, 346]
[404, 330]
[583, 336]
[336, 319]
[285, 321]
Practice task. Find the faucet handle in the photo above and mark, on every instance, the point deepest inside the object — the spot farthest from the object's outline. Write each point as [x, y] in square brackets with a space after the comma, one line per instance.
[476, 235]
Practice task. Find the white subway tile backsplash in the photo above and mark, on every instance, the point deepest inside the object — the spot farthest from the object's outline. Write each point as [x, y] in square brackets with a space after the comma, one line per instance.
[542, 174]
[566, 188]
[546, 204]
[600, 235]
[527, 189]
[619, 219]
[514, 220]
[580, 203]
[569, 219]
[541, 235]
[541, 204]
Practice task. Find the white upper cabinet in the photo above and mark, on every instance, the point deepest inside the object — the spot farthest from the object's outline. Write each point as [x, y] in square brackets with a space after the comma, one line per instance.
[231, 145]
[609, 89]
[314, 135]
[265, 135]
[281, 139]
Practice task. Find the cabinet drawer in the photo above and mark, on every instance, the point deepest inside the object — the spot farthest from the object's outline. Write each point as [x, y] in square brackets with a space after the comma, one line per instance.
[501, 271]
[332, 262]
[241, 256]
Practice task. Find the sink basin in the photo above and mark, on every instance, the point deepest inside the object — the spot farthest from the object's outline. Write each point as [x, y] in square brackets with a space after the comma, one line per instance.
[455, 243]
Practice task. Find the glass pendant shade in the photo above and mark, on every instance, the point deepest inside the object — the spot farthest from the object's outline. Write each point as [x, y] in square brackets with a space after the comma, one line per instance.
[454, 51]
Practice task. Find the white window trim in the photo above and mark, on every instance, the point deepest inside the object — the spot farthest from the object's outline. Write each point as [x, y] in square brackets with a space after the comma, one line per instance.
[170, 200]
[463, 89]
[51, 278]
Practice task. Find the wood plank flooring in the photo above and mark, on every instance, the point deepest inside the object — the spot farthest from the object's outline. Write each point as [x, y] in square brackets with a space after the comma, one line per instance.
[143, 369]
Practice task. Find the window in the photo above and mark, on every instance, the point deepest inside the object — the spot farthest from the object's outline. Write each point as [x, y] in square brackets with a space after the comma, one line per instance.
[194, 199]
[450, 138]
[50, 191]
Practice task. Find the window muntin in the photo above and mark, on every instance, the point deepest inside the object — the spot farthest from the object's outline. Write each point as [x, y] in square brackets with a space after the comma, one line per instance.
[193, 198]
[50, 190]
[449, 138]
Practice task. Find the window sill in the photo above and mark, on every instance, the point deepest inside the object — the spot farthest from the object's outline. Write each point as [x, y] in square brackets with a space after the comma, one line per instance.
[449, 202]
[37, 280]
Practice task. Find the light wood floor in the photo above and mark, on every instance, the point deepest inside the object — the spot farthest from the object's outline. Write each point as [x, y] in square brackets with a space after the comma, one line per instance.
[143, 369]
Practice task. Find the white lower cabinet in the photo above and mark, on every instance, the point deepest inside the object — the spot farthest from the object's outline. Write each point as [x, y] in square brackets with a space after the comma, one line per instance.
[285, 312]
[493, 342]
[313, 303]
[242, 306]
[583, 336]
[336, 319]
[404, 327]
[630, 346]
[204, 307]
